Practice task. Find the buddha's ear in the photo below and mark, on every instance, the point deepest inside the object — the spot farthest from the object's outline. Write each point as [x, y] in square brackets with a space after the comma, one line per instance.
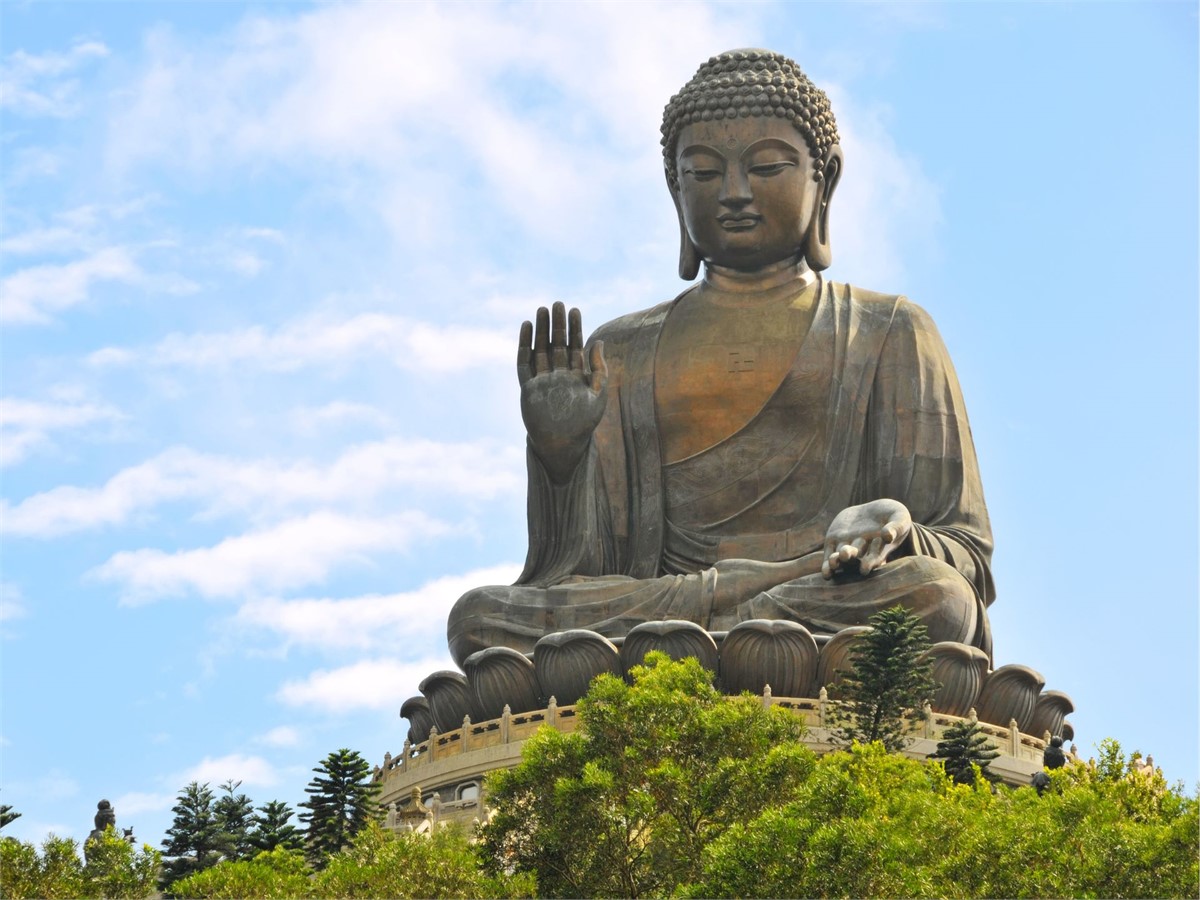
[817, 247]
[689, 256]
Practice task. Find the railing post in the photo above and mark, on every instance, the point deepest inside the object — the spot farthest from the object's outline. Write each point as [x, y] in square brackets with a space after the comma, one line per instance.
[433, 736]
[552, 712]
[822, 702]
[505, 722]
[766, 696]
[1014, 737]
[927, 711]
[407, 754]
[466, 731]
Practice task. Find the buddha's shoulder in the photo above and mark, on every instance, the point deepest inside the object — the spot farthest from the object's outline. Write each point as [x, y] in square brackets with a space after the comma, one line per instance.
[897, 310]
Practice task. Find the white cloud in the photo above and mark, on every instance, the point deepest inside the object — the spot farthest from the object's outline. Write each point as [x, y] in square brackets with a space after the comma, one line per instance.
[378, 622]
[323, 340]
[373, 684]
[280, 736]
[252, 771]
[136, 802]
[34, 84]
[30, 295]
[289, 555]
[27, 424]
[885, 207]
[220, 484]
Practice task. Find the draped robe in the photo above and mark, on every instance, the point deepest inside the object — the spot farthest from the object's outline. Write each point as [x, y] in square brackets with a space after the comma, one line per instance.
[870, 408]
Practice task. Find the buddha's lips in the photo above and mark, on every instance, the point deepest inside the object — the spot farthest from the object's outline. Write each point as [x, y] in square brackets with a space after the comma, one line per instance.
[739, 223]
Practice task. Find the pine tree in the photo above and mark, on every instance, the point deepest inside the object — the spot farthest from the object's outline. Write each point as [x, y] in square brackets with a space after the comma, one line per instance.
[194, 841]
[272, 828]
[235, 816]
[7, 815]
[962, 744]
[889, 682]
[341, 801]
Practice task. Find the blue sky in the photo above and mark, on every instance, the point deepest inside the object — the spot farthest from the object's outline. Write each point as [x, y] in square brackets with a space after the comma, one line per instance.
[262, 271]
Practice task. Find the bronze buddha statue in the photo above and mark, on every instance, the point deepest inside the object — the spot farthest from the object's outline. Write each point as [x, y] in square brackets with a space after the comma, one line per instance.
[767, 445]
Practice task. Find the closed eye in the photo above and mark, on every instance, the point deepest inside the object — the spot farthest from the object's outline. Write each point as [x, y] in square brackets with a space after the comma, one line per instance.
[766, 170]
[702, 174]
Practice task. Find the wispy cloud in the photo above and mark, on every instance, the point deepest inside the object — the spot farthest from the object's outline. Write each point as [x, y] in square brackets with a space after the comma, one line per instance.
[378, 622]
[220, 484]
[324, 340]
[30, 296]
[27, 424]
[12, 603]
[252, 771]
[40, 84]
[289, 555]
[373, 684]
[280, 736]
[137, 802]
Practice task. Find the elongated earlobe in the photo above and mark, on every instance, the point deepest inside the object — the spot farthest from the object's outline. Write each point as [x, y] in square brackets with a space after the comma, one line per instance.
[817, 247]
[689, 256]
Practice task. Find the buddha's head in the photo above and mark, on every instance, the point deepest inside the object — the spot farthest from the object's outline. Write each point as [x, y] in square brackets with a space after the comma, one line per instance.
[105, 815]
[751, 154]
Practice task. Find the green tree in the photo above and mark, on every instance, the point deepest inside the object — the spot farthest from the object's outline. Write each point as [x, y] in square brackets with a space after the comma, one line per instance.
[55, 873]
[7, 815]
[963, 748]
[867, 823]
[194, 841]
[234, 814]
[114, 869]
[625, 806]
[888, 683]
[273, 828]
[279, 873]
[442, 864]
[341, 801]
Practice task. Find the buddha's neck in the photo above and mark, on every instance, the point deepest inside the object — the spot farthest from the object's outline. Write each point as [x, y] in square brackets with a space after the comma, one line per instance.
[783, 279]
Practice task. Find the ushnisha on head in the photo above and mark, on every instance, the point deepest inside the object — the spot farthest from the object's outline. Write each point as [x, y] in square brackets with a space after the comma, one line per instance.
[741, 88]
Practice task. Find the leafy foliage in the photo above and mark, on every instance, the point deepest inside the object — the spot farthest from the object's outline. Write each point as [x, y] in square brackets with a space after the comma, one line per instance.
[376, 863]
[872, 824]
[341, 801]
[888, 684]
[115, 869]
[277, 873]
[963, 750]
[625, 806]
[272, 828]
[194, 841]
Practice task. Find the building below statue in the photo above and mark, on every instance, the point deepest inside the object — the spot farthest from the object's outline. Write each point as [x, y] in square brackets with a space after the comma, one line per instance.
[466, 725]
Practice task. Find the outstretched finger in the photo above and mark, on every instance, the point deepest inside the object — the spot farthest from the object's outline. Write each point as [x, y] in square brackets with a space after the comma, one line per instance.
[524, 351]
[558, 335]
[575, 339]
[541, 342]
[599, 377]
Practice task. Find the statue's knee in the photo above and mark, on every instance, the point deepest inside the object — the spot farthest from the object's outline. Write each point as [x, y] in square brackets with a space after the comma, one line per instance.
[939, 595]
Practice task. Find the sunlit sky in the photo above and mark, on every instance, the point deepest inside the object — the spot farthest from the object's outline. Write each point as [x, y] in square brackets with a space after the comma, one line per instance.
[263, 269]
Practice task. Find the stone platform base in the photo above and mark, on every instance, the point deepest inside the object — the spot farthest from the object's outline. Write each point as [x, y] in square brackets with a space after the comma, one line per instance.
[440, 780]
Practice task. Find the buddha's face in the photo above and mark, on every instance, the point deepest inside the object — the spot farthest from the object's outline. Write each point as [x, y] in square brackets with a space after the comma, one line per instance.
[746, 190]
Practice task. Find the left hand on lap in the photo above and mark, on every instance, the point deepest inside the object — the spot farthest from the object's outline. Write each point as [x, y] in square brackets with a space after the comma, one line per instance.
[869, 533]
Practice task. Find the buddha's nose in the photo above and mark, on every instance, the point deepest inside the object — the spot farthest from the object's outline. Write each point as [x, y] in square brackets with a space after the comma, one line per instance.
[735, 188]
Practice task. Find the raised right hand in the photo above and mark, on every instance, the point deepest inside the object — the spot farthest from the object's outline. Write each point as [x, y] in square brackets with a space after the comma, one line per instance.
[562, 397]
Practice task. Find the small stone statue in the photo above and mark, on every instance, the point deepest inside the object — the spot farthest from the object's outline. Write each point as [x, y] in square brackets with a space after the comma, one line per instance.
[1053, 756]
[1040, 781]
[105, 817]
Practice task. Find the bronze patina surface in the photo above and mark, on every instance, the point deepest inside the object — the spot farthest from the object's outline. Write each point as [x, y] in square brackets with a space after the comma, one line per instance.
[769, 444]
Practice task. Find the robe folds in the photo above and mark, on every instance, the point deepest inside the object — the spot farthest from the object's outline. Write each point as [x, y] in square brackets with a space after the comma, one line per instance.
[870, 408]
